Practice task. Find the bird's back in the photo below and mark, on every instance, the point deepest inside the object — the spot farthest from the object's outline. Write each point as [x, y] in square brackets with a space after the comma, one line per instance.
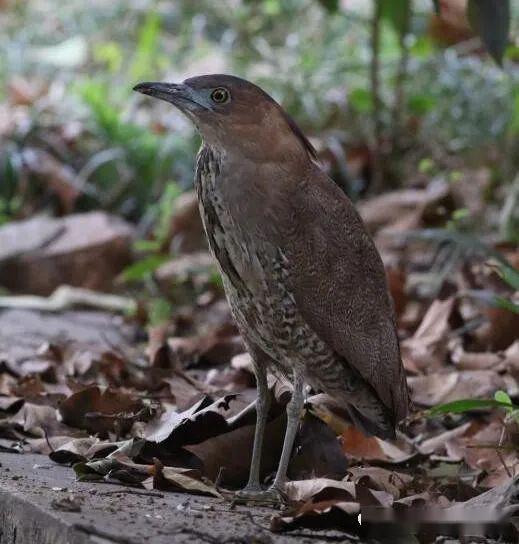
[306, 285]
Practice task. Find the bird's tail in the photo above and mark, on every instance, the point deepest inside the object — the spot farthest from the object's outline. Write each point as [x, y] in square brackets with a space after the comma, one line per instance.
[381, 425]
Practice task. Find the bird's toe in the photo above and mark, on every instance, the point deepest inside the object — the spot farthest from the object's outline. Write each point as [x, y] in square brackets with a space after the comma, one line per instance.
[261, 497]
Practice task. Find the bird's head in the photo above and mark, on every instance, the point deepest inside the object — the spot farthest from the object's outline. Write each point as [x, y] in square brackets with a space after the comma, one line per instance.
[235, 115]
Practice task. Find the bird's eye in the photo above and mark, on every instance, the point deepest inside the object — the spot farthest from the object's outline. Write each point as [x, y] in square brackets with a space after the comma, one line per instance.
[220, 95]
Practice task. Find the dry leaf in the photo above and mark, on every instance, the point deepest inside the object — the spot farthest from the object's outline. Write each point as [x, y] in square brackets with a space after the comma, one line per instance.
[101, 411]
[358, 446]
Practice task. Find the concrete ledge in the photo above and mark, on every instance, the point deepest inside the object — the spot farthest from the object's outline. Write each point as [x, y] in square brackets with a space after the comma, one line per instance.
[33, 510]
[21, 521]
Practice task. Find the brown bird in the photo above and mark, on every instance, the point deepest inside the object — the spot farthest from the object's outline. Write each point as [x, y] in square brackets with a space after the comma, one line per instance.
[304, 280]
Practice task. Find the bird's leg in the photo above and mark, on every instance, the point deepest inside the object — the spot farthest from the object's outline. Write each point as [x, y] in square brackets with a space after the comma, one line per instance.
[253, 486]
[294, 408]
[273, 495]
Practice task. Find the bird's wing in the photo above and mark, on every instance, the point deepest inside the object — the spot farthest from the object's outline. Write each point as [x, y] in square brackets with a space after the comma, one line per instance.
[338, 281]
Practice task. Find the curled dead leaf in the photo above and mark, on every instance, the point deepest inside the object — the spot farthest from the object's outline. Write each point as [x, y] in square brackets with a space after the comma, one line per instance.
[102, 411]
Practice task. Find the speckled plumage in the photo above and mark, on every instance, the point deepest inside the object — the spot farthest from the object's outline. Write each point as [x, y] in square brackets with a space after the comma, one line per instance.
[265, 308]
[304, 280]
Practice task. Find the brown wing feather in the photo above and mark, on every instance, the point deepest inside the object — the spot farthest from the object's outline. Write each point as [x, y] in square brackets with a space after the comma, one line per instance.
[339, 285]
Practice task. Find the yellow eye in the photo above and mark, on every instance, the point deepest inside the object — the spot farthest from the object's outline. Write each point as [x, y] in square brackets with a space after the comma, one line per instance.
[220, 95]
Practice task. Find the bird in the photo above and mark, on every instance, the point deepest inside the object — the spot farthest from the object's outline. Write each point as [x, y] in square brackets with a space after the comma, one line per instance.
[303, 278]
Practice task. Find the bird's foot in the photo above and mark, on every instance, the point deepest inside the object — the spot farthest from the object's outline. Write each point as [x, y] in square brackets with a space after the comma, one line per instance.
[272, 496]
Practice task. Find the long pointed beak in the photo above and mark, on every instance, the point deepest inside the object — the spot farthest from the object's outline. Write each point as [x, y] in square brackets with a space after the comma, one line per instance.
[170, 92]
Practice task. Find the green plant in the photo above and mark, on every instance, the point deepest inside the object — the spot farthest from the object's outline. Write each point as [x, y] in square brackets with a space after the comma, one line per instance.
[153, 249]
[501, 400]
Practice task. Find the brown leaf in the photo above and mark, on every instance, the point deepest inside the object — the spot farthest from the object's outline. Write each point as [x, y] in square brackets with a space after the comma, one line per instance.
[481, 452]
[466, 360]
[381, 479]
[436, 389]
[317, 452]
[200, 422]
[232, 452]
[181, 479]
[320, 515]
[319, 490]
[444, 444]
[501, 330]
[212, 349]
[38, 420]
[403, 209]
[427, 348]
[73, 451]
[358, 446]
[100, 412]
[185, 390]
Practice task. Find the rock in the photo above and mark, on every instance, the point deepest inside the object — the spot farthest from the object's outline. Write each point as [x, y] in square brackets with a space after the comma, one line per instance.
[24, 333]
[83, 250]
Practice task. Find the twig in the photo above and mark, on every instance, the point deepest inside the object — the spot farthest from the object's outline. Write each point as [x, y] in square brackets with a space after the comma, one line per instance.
[375, 93]
[66, 297]
[133, 492]
[46, 435]
[500, 454]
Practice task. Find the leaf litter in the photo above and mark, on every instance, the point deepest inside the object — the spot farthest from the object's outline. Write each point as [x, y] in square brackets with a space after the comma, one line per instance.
[174, 409]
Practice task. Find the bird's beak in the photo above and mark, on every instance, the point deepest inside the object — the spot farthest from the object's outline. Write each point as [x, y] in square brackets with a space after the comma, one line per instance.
[178, 94]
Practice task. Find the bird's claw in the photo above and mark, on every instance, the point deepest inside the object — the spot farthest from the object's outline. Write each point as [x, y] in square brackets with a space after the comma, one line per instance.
[272, 496]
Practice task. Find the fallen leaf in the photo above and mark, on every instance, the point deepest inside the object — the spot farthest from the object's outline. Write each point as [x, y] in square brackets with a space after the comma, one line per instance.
[381, 479]
[317, 452]
[434, 389]
[427, 348]
[180, 479]
[320, 490]
[321, 515]
[101, 411]
[200, 422]
[73, 451]
[360, 447]
[232, 452]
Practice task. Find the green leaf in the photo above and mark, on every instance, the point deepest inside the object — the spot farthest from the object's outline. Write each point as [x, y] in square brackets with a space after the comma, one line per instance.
[147, 245]
[466, 405]
[159, 312]
[502, 396]
[361, 100]
[331, 6]
[490, 19]
[396, 12]
[420, 104]
[144, 268]
[147, 47]
[509, 274]
[491, 299]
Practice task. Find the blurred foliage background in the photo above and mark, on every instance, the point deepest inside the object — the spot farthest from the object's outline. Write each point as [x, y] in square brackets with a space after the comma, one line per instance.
[392, 94]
